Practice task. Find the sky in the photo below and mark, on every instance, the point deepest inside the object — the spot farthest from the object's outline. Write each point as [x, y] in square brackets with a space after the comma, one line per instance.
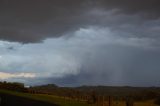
[80, 42]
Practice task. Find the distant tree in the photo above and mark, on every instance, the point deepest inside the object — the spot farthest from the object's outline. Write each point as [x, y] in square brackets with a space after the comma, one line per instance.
[12, 86]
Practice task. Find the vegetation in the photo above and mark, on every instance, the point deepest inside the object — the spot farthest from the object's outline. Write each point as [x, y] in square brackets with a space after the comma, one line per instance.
[13, 86]
[46, 98]
[86, 92]
[157, 101]
[85, 95]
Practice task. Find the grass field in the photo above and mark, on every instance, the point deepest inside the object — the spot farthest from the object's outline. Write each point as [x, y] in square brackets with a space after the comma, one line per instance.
[142, 103]
[68, 102]
[145, 103]
[46, 98]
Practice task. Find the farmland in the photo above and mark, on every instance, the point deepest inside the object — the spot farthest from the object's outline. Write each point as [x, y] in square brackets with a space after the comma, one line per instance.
[51, 95]
[46, 100]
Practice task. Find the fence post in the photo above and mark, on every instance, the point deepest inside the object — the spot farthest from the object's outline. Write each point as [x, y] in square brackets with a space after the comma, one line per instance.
[129, 101]
[110, 101]
[103, 100]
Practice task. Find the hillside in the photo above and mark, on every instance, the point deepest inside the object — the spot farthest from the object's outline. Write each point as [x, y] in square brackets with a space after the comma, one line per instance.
[121, 92]
[53, 95]
[13, 100]
[10, 98]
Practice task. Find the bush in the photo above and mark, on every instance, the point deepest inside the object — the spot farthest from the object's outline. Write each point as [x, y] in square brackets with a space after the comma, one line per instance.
[157, 101]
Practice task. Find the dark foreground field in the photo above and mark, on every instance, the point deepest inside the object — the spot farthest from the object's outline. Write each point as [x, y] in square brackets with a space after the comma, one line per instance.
[10, 100]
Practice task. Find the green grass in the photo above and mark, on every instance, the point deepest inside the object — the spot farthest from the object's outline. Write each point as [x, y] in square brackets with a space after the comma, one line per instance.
[68, 102]
[47, 98]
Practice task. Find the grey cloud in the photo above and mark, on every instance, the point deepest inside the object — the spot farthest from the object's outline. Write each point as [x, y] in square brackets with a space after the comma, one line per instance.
[35, 20]
[150, 8]
[116, 66]
[85, 58]
[76, 42]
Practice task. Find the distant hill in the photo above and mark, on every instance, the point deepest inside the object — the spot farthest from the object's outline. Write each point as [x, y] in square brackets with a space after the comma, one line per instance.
[122, 92]
[113, 90]
[46, 87]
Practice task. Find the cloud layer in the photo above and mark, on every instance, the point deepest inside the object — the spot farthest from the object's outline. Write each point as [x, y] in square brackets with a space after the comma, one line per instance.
[77, 42]
[35, 20]
[96, 53]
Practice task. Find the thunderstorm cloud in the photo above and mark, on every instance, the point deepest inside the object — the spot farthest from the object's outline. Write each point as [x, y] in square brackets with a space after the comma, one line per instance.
[78, 42]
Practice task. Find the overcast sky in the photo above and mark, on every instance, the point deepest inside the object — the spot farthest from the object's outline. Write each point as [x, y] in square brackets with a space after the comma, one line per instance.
[80, 42]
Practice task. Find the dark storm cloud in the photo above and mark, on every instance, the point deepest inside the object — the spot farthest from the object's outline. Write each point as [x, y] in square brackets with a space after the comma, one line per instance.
[35, 20]
[130, 6]
[120, 66]
[92, 55]
[114, 42]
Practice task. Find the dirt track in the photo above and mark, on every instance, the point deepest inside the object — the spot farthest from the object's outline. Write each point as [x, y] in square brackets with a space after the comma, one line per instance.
[9, 100]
